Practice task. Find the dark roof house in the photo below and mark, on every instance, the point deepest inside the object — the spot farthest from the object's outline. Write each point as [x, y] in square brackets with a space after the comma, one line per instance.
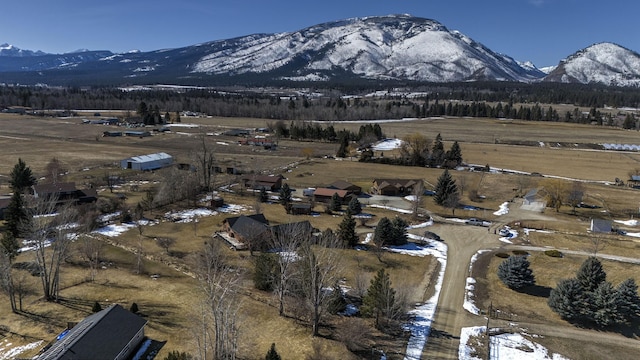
[345, 185]
[65, 192]
[113, 333]
[324, 195]
[258, 182]
[394, 187]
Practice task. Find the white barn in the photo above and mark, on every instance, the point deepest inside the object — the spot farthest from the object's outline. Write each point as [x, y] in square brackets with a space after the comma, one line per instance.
[147, 162]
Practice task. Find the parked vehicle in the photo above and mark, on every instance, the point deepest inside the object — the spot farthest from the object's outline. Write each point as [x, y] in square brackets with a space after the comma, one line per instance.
[474, 221]
[432, 236]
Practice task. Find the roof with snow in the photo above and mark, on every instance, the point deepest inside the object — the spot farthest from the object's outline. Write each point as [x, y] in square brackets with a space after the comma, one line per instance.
[150, 157]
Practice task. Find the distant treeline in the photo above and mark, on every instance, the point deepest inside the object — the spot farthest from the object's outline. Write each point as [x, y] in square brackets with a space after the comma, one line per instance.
[493, 100]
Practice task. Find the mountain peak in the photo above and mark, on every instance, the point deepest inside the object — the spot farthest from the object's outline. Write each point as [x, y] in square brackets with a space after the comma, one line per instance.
[604, 63]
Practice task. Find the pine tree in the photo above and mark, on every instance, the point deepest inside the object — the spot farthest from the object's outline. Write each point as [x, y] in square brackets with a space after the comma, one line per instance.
[96, 307]
[21, 177]
[285, 197]
[383, 233]
[355, 207]
[515, 272]
[15, 215]
[344, 144]
[263, 195]
[272, 354]
[380, 298]
[606, 304]
[454, 156]
[566, 299]
[399, 232]
[264, 273]
[347, 231]
[629, 300]
[437, 152]
[591, 274]
[446, 189]
[134, 308]
[336, 202]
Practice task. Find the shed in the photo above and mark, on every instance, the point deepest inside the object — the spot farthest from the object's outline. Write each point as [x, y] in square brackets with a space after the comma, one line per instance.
[301, 209]
[113, 333]
[600, 226]
[147, 162]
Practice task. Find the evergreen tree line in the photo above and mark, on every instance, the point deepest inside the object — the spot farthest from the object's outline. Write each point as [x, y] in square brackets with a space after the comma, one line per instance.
[589, 298]
[216, 103]
[316, 131]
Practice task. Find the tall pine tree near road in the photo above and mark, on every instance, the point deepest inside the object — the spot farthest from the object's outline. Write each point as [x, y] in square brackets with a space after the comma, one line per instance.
[347, 231]
[285, 197]
[591, 274]
[629, 300]
[380, 298]
[566, 299]
[515, 272]
[446, 188]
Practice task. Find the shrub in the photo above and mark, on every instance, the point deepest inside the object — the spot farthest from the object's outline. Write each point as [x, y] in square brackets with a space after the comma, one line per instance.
[553, 253]
[502, 255]
[520, 252]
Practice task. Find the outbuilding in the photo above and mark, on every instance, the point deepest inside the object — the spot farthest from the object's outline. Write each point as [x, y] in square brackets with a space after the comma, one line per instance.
[147, 162]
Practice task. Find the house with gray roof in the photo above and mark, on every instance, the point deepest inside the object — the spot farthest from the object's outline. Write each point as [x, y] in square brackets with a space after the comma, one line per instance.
[113, 333]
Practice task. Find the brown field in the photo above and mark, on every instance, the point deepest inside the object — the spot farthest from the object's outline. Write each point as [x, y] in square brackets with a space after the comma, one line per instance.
[168, 302]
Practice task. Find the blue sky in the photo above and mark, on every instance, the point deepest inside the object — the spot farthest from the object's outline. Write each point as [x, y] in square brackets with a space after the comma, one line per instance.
[541, 31]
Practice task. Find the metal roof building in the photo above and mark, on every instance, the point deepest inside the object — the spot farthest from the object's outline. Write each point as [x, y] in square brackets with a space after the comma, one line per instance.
[147, 162]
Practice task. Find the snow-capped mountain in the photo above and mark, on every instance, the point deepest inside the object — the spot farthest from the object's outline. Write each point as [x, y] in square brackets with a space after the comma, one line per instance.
[603, 63]
[394, 47]
[10, 50]
[389, 47]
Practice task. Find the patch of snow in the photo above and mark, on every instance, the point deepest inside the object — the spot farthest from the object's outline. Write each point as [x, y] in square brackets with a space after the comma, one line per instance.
[422, 225]
[632, 222]
[404, 211]
[187, 216]
[504, 209]
[8, 352]
[505, 346]
[143, 348]
[114, 230]
[422, 315]
[469, 303]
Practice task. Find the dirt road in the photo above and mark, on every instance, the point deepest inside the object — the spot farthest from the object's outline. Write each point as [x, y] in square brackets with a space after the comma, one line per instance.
[463, 242]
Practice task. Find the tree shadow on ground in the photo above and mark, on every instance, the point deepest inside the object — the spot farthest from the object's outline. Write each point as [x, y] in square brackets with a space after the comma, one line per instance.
[536, 290]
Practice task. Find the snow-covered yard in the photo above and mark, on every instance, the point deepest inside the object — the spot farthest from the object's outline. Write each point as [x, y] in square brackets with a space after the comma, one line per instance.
[505, 346]
[8, 351]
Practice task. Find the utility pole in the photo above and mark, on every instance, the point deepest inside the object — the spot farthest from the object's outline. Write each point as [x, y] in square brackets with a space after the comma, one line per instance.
[488, 334]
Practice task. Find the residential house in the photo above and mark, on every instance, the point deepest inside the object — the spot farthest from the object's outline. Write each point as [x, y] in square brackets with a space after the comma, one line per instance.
[345, 185]
[394, 187]
[301, 208]
[324, 195]
[113, 333]
[65, 192]
[240, 230]
[259, 182]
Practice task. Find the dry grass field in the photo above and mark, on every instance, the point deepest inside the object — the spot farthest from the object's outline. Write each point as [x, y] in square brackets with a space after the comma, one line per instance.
[168, 301]
[531, 306]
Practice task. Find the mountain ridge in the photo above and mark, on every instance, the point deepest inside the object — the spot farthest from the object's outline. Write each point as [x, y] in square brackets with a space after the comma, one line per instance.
[394, 47]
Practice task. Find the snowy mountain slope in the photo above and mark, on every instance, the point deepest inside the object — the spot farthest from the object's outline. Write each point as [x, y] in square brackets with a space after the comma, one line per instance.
[396, 46]
[603, 63]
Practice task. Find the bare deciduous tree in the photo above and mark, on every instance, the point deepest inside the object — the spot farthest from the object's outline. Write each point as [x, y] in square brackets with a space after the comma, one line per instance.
[416, 199]
[90, 249]
[6, 279]
[220, 283]
[51, 237]
[286, 242]
[205, 161]
[55, 170]
[320, 270]
[165, 243]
